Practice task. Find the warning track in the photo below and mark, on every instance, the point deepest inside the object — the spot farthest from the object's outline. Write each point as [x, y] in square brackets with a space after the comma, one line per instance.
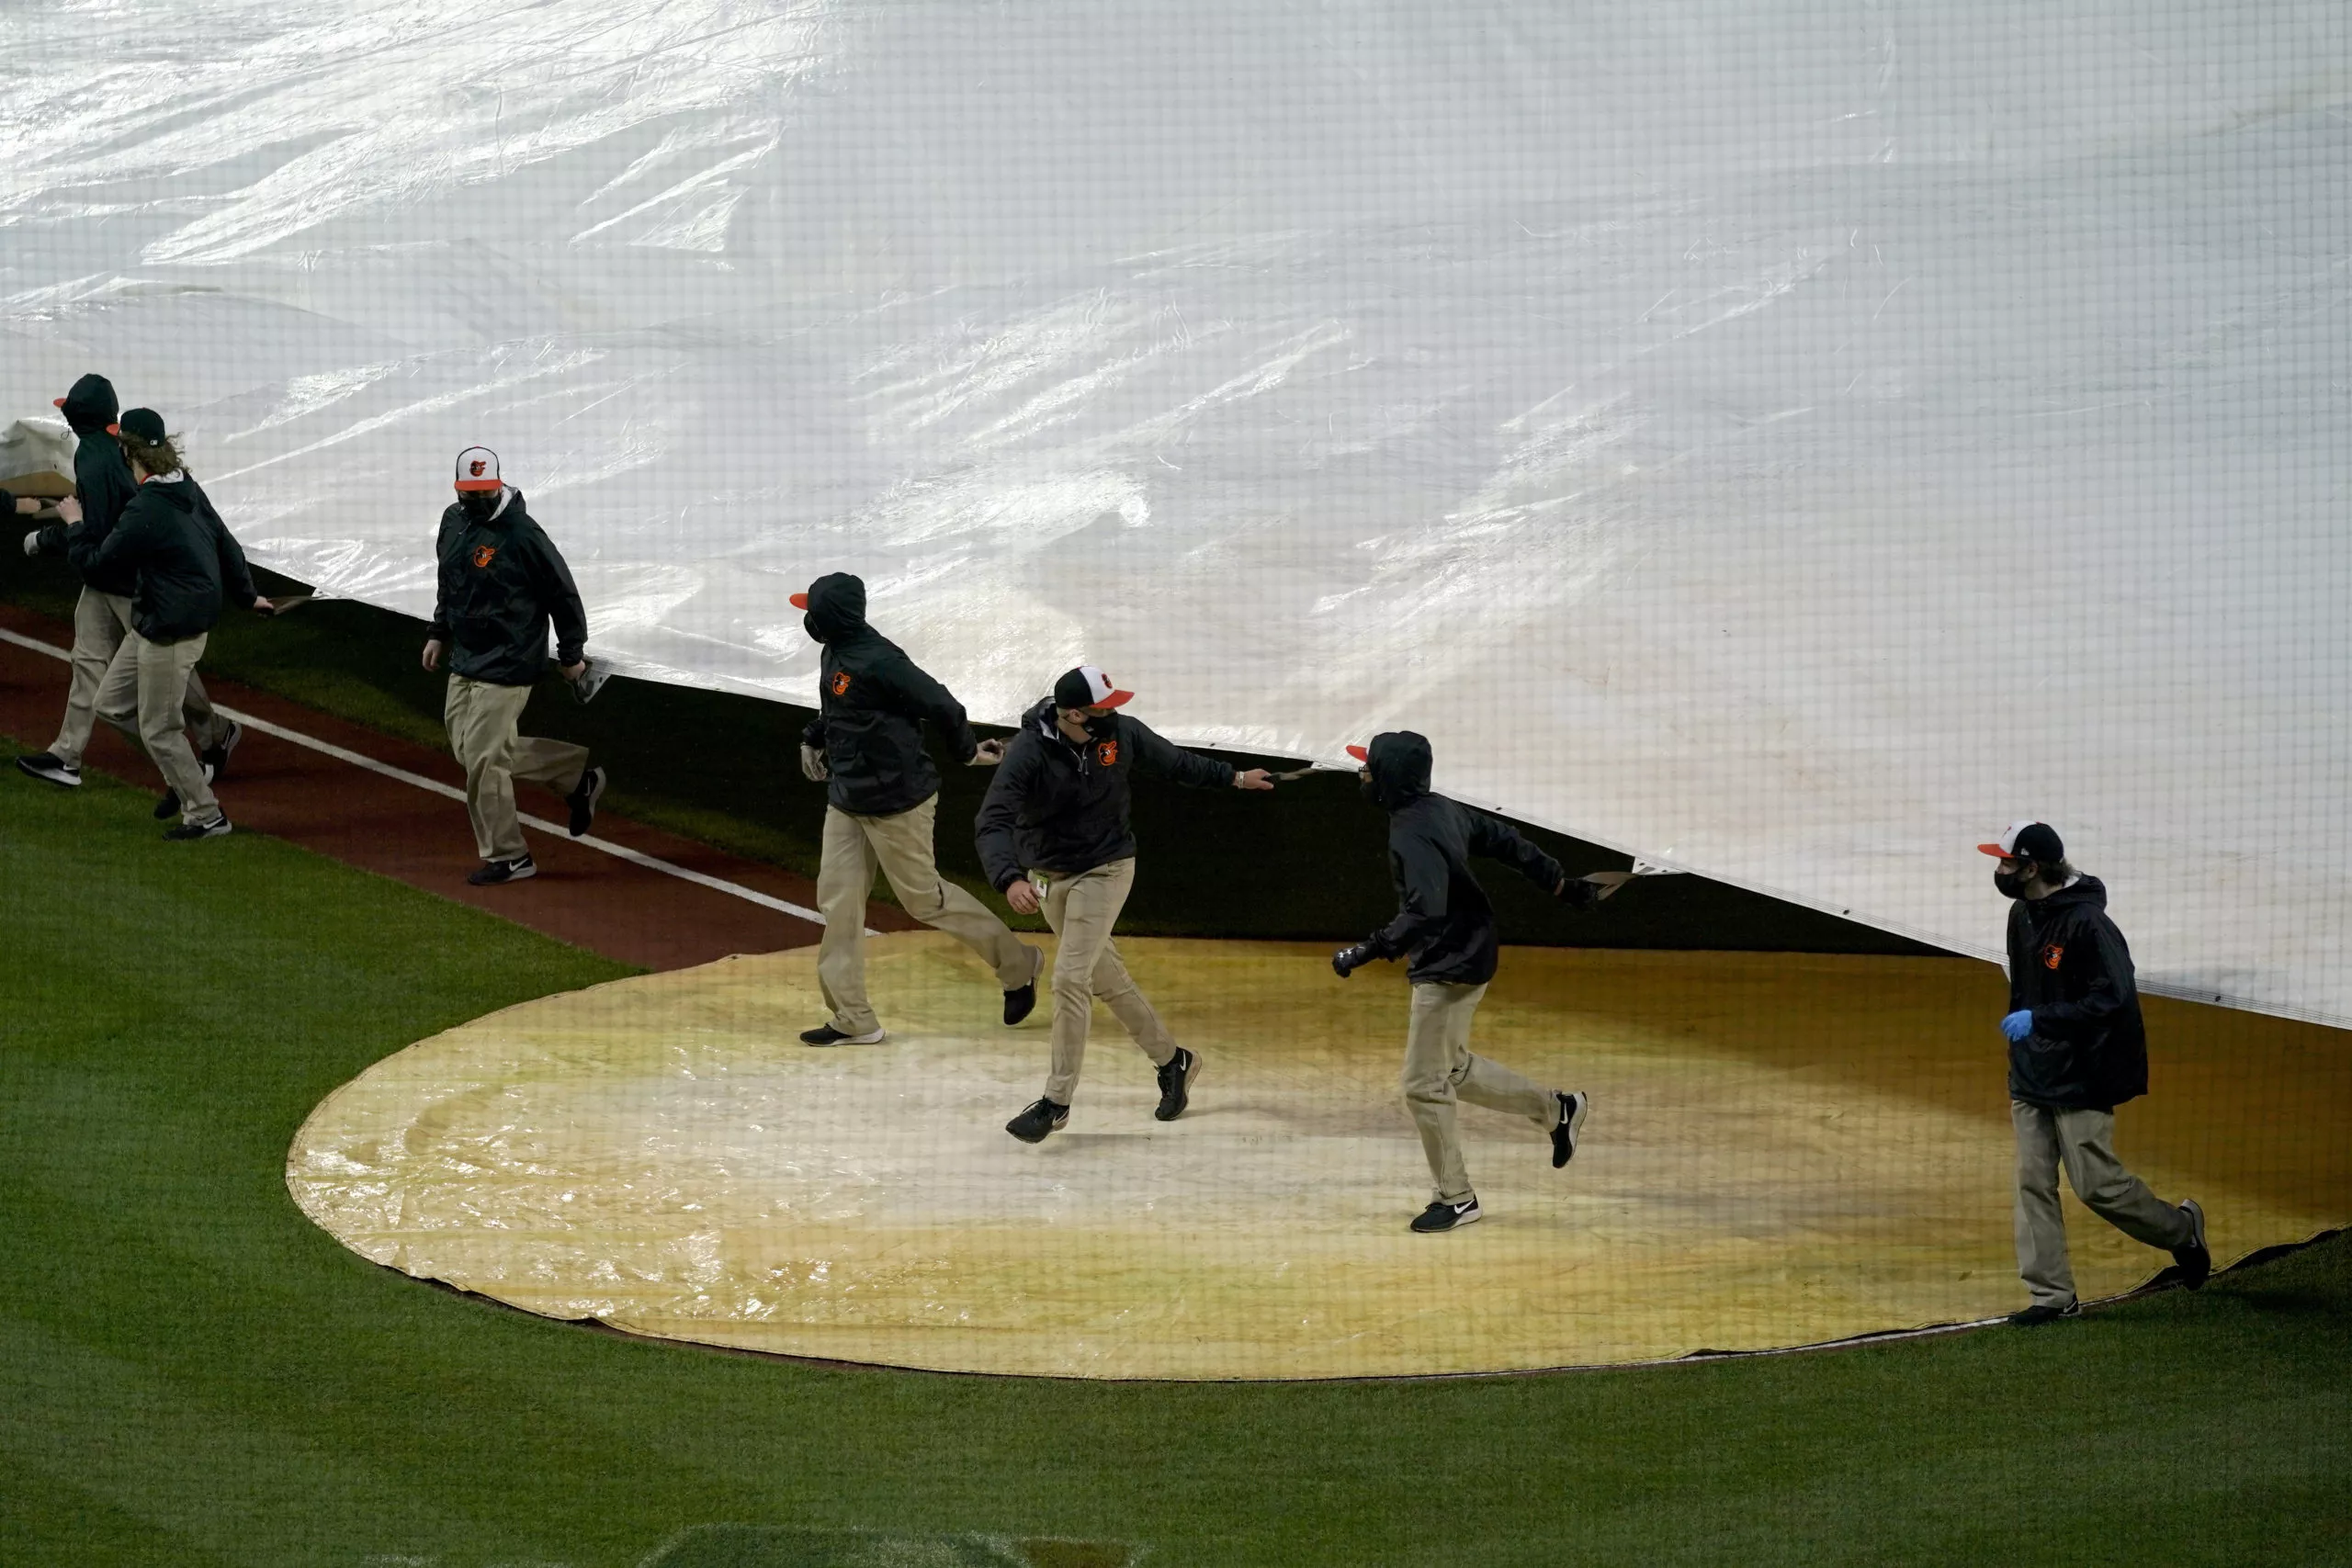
[632, 893]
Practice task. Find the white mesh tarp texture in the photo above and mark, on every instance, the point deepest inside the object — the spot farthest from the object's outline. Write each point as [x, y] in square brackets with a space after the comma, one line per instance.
[1788, 440]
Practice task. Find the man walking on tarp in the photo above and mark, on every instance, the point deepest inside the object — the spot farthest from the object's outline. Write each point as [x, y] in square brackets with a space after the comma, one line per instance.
[502, 581]
[1054, 834]
[1446, 927]
[881, 795]
[102, 616]
[2077, 1050]
[182, 562]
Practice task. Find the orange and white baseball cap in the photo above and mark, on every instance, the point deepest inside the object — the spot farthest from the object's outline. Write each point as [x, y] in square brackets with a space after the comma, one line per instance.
[2028, 840]
[478, 469]
[1087, 687]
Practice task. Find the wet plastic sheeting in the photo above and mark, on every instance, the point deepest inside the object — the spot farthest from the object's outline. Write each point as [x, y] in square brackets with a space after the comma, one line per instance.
[1788, 440]
[1781, 1151]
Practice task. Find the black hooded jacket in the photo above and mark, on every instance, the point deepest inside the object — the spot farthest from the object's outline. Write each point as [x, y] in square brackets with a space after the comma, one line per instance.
[180, 557]
[871, 702]
[2068, 965]
[102, 483]
[502, 582]
[1443, 921]
[1065, 807]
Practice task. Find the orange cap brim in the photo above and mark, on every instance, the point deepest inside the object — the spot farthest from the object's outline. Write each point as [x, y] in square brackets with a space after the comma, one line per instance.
[1997, 849]
[1360, 754]
[1117, 699]
[114, 430]
[479, 484]
[800, 601]
[57, 403]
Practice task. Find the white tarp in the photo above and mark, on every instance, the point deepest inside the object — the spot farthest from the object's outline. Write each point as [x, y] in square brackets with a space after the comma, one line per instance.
[1787, 440]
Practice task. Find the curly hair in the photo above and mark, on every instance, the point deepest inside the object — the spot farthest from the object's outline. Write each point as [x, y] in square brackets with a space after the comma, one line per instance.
[156, 456]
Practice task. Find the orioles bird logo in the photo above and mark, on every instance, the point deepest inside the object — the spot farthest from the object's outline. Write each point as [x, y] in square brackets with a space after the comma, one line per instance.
[2051, 954]
[484, 554]
[841, 684]
[478, 465]
[1107, 754]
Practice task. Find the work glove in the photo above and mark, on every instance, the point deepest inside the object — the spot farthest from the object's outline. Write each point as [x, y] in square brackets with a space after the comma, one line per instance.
[812, 764]
[1348, 960]
[2018, 1025]
[1579, 893]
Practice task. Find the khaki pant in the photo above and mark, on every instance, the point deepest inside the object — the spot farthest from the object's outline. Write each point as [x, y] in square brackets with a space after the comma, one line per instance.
[901, 846]
[1081, 909]
[483, 719]
[1439, 1068]
[2084, 1141]
[156, 674]
[101, 629]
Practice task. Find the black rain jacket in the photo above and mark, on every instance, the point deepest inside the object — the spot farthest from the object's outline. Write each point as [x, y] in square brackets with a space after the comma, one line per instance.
[180, 557]
[502, 581]
[2089, 1050]
[1443, 922]
[1065, 807]
[102, 483]
[871, 702]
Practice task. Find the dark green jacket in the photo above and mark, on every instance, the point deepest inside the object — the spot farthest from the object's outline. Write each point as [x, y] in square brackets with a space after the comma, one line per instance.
[181, 558]
[502, 582]
[1444, 924]
[1058, 805]
[102, 483]
[872, 701]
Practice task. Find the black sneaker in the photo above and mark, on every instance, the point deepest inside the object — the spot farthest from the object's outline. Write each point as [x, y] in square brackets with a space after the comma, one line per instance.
[1444, 1216]
[2194, 1261]
[1021, 1000]
[1563, 1136]
[45, 765]
[826, 1035]
[188, 833]
[1032, 1126]
[1176, 1084]
[583, 800]
[2036, 1315]
[169, 807]
[216, 758]
[495, 872]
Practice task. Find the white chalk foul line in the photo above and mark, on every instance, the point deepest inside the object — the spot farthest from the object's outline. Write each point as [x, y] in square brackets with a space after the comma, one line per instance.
[618, 851]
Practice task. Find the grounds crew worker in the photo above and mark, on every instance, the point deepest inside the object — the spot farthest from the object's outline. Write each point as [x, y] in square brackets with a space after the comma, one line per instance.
[1446, 927]
[2077, 1050]
[881, 795]
[1054, 835]
[102, 488]
[502, 582]
[181, 560]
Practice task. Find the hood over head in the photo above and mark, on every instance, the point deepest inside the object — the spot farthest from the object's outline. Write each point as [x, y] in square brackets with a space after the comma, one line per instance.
[836, 604]
[91, 406]
[1400, 762]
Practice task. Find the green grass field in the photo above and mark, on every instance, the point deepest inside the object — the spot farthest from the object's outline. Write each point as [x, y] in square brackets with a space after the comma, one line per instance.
[191, 1375]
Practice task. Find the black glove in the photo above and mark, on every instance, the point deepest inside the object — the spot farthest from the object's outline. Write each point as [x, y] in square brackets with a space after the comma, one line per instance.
[1348, 960]
[1579, 893]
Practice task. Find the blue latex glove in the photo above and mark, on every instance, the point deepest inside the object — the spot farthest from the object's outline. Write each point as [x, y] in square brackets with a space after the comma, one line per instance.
[2018, 1024]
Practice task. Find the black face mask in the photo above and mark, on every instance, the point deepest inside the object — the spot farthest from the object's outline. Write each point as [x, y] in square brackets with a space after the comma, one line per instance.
[2011, 883]
[479, 503]
[1103, 726]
